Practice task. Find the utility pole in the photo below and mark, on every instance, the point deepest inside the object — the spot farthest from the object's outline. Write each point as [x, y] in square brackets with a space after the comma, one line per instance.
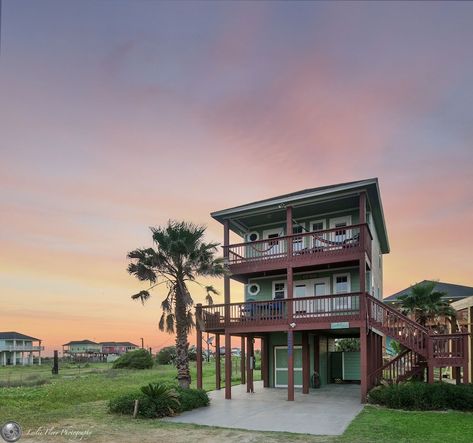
[142, 343]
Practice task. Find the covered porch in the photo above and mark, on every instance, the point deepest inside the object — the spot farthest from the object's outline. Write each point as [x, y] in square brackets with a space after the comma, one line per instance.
[325, 411]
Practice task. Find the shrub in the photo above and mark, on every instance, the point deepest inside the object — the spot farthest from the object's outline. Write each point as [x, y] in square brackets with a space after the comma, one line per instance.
[192, 399]
[152, 405]
[166, 356]
[164, 398]
[423, 396]
[139, 359]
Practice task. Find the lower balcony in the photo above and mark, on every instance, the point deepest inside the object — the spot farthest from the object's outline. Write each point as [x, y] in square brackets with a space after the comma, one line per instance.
[275, 314]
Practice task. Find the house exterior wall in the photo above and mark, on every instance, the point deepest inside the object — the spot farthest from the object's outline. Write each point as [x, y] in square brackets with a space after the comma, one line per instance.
[305, 222]
[266, 283]
[375, 287]
[326, 346]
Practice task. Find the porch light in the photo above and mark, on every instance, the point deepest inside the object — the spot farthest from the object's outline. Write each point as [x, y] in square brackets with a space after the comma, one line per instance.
[292, 325]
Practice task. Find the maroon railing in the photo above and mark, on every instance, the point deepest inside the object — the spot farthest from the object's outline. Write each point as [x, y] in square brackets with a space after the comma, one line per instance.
[396, 325]
[401, 367]
[449, 346]
[270, 312]
[333, 241]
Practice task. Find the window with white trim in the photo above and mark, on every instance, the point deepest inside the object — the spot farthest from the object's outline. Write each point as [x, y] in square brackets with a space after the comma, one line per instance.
[279, 289]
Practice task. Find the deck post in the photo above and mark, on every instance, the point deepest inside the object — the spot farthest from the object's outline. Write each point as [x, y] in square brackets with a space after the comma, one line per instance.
[364, 363]
[305, 363]
[198, 325]
[249, 364]
[262, 362]
[218, 376]
[362, 202]
[466, 357]
[265, 359]
[242, 361]
[290, 365]
[228, 366]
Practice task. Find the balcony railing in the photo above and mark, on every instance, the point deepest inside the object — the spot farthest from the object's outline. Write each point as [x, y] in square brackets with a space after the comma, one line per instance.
[276, 312]
[325, 243]
[21, 348]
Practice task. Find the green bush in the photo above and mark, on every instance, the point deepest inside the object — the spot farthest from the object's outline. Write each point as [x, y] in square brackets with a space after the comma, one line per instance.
[166, 356]
[152, 406]
[424, 397]
[139, 359]
[192, 399]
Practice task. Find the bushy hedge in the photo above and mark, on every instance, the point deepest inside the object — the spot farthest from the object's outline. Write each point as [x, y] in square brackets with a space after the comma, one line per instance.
[192, 399]
[424, 397]
[188, 399]
[139, 359]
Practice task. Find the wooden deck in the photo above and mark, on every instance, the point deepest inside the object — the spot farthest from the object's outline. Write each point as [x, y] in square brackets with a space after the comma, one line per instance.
[300, 250]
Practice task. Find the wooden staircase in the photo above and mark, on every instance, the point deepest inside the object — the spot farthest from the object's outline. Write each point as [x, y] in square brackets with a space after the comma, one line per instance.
[424, 349]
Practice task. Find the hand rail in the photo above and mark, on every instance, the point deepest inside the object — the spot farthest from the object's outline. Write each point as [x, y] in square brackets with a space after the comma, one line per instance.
[303, 234]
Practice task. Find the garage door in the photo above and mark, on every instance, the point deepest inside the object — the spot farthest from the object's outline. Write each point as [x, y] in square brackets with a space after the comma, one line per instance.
[280, 366]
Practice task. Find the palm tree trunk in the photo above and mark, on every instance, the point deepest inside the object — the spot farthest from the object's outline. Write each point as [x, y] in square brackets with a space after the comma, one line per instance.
[182, 345]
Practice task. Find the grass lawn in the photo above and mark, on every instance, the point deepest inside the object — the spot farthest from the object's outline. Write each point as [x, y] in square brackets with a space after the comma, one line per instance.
[77, 400]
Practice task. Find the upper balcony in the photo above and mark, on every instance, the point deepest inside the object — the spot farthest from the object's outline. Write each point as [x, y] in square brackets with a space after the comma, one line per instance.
[341, 244]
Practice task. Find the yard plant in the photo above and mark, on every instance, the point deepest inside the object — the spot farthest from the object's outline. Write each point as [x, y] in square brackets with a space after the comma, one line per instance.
[423, 396]
[139, 359]
[178, 258]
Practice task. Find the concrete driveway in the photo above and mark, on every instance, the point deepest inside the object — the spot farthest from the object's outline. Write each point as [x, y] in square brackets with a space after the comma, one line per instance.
[325, 411]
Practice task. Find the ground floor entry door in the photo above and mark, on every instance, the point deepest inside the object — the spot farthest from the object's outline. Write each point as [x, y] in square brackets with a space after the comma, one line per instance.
[280, 366]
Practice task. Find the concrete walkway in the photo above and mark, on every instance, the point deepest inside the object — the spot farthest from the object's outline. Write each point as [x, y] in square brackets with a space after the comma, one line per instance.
[325, 411]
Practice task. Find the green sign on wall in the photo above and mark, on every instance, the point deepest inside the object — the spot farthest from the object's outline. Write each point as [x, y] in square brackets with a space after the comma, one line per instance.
[340, 325]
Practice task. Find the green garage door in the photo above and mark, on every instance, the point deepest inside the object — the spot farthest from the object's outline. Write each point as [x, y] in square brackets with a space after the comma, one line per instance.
[280, 366]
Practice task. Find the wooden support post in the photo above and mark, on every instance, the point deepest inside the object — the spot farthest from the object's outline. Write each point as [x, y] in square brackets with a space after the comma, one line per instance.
[289, 230]
[465, 357]
[228, 366]
[265, 358]
[362, 203]
[262, 362]
[364, 363]
[430, 373]
[290, 365]
[317, 354]
[305, 363]
[198, 325]
[242, 361]
[249, 364]
[218, 373]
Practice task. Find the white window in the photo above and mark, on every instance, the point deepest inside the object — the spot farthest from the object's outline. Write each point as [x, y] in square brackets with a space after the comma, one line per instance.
[298, 240]
[279, 289]
[341, 283]
[340, 235]
[318, 241]
[253, 289]
[273, 246]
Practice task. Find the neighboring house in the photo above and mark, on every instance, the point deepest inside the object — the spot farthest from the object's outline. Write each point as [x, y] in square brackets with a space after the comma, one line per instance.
[464, 308]
[19, 349]
[117, 347]
[311, 263]
[111, 350]
[453, 294]
[83, 350]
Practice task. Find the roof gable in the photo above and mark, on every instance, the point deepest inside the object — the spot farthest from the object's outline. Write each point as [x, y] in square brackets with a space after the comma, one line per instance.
[453, 291]
[12, 335]
[322, 193]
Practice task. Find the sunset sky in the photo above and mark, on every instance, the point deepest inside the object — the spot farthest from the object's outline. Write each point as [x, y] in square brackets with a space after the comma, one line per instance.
[118, 115]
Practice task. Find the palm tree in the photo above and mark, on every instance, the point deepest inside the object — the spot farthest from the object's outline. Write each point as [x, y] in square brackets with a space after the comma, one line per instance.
[180, 256]
[425, 304]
